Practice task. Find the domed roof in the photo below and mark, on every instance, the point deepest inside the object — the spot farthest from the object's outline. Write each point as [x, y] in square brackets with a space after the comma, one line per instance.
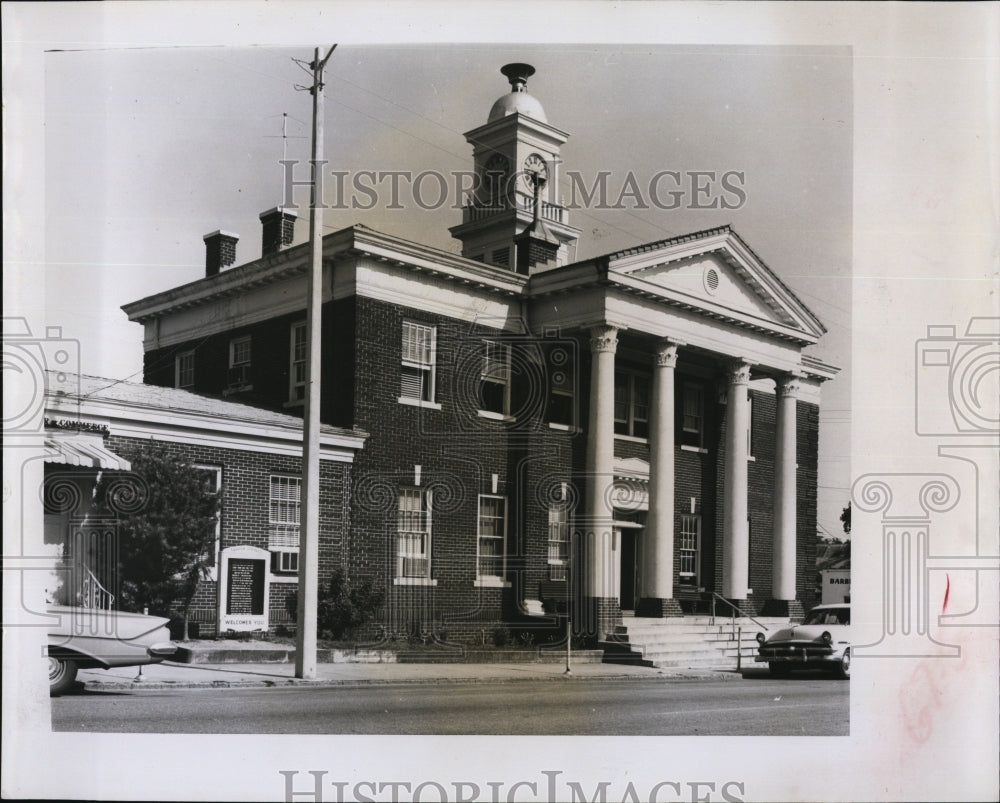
[518, 101]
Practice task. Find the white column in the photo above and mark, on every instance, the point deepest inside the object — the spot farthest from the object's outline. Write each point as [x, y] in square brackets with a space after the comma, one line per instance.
[783, 571]
[658, 539]
[601, 578]
[735, 533]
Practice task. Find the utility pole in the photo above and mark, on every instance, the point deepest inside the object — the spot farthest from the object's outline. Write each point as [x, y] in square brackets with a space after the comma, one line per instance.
[305, 634]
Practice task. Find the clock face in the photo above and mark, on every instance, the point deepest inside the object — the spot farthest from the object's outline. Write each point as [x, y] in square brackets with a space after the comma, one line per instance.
[535, 170]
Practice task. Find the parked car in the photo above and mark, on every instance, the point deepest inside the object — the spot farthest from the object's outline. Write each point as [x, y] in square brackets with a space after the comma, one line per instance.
[822, 641]
[93, 637]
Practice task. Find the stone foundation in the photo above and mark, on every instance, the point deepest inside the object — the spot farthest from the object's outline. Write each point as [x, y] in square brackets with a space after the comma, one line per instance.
[656, 608]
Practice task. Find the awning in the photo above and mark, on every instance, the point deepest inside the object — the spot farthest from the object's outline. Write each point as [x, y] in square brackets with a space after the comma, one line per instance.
[82, 450]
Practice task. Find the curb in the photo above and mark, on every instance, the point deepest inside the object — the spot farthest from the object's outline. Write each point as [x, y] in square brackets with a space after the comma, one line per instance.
[98, 685]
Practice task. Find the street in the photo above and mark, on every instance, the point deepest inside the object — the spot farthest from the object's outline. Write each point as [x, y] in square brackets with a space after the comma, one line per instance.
[804, 705]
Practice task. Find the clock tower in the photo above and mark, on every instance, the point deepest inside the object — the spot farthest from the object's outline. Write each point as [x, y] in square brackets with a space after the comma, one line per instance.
[512, 217]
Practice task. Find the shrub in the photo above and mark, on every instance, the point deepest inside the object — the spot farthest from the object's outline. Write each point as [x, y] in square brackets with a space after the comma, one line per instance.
[344, 604]
[501, 636]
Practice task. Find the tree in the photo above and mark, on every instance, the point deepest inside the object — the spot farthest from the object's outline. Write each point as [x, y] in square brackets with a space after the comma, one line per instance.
[167, 538]
[845, 518]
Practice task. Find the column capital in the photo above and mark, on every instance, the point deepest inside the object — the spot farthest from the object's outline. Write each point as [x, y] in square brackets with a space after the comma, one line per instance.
[738, 372]
[604, 339]
[788, 385]
[665, 354]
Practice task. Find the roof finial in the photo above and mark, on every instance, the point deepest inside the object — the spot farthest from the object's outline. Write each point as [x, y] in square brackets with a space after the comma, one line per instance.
[518, 75]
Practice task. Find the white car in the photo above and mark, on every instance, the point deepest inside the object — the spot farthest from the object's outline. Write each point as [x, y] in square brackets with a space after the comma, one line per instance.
[93, 637]
[822, 641]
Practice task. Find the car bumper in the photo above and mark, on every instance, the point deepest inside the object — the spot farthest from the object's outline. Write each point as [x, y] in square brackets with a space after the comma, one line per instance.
[162, 651]
[803, 658]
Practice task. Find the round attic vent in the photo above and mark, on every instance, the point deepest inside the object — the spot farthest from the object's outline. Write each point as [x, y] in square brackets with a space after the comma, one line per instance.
[711, 280]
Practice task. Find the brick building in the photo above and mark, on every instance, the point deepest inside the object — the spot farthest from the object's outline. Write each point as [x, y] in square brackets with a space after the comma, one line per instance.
[637, 430]
[253, 456]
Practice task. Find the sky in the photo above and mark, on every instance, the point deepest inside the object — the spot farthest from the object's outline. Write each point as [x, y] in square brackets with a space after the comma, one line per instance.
[148, 150]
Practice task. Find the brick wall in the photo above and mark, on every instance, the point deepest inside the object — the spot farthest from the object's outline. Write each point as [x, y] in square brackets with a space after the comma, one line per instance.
[807, 422]
[244, 516]
[458, 452]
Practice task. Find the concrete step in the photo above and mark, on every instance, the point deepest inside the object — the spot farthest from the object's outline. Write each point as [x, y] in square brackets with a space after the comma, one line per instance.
[670, 625]
[688, 642]
[678, 638]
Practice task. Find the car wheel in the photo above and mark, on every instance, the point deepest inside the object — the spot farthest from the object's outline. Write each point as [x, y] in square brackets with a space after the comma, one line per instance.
[778, 670]
[844, 667]
[62, 673]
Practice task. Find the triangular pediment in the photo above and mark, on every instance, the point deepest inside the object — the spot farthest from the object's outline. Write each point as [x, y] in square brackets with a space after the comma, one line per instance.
[717, 272]
[709, 277]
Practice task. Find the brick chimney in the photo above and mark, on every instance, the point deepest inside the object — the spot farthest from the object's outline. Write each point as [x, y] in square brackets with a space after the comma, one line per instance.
[278, 229]
[220, 251]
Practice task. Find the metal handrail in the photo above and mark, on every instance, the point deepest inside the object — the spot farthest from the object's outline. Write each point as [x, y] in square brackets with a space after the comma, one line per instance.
[735, 608]
[94, 594]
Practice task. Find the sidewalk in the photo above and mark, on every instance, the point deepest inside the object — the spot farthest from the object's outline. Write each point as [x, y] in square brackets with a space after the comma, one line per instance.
[170, 675]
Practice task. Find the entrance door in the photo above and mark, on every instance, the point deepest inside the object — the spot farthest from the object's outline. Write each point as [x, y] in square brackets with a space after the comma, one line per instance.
[628, 538]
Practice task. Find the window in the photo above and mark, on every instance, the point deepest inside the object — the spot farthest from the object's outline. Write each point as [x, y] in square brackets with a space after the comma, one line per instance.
[631, 404]
[417, 376]
[239, 361]
[690, 545]
[413, 551]
[297, 368]
[284, 507]
[184, 370]
[693, 415]
[212, 482]
[492, 538]
[494, 378]
[558, 542]
[285, 562]
[562, 382]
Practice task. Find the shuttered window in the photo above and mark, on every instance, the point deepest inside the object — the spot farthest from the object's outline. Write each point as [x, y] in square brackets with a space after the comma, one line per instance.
[297, 369]
[492, 536]
[690, 546]
[284, 511]
[413, 552]
[631, 404]
[494, 379]
[418, 353]
[558, 542]
[184, 370]
[693, 415]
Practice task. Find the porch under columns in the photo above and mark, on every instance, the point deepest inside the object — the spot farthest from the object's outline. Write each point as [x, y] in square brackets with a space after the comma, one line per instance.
[658, 540]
